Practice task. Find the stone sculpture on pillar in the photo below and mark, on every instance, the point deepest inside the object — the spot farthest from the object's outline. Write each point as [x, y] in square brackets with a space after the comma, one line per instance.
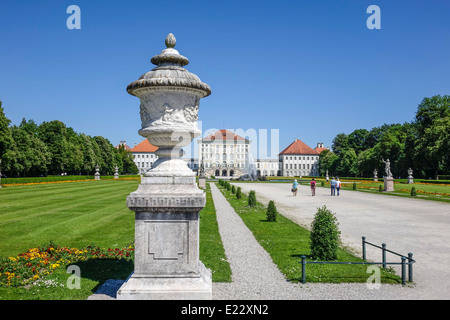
[410, 177]
[168, 200]
[201, 175]
[388, 178]
[97, 174]
[375, 175]
[116, 172]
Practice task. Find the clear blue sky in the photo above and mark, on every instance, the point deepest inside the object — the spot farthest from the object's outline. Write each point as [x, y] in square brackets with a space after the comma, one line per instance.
[311, 69]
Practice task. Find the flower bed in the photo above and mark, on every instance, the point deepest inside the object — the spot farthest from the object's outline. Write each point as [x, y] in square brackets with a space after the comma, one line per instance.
[39, 262]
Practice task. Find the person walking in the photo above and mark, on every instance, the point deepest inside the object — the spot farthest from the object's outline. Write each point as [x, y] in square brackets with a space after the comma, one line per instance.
[294, 188]
[338, 185]
[333, 187]
[313, 187]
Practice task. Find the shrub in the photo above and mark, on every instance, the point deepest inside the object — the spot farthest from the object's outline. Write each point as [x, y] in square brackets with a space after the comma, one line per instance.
[325, 234]
[228, 186]
[322, 184]
[271, 213]
[354, 185]
[238, 193]
[413, 192]
[233, 189]
[380, 188]
[252, 198]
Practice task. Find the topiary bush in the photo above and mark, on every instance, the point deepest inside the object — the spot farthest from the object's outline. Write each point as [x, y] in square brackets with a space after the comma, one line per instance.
[354, 185]
[325, 235]
[413, 192]
[228, 186]
[271, 214]
[238, 193]
[380, 188]
[233, 189]
[252, 198]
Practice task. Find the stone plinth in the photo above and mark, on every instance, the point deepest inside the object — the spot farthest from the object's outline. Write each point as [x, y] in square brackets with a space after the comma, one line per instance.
[389, 184]
[167, 264]
[202, 182]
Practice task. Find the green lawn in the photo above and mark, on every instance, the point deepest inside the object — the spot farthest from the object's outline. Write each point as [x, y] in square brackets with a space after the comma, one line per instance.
[286, 242]
[73, 214]
[79, 214]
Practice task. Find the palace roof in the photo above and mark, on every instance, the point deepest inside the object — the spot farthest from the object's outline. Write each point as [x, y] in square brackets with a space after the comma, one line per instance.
[144, 146]
[299, 147]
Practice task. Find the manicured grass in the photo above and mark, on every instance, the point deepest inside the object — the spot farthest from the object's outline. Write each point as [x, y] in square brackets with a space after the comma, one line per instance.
[286, 242]
[212, 253]
[73, 214]
[79, 214]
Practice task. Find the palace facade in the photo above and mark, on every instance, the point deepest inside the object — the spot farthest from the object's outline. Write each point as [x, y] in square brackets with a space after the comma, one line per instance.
[226, 154]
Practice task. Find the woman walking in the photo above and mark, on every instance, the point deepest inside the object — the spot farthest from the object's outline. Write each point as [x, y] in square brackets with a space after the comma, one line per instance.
[294, 188]
[313, 187]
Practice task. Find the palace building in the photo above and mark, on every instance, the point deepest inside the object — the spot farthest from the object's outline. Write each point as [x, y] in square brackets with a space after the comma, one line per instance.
[299, 159]
[227, 154]
[224, 154]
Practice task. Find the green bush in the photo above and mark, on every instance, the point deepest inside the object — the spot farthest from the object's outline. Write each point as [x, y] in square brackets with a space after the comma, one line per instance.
[228, 186]
[238, 193]
[354, 185]
[413, 192]
[325, 235]
[252, 198]
[322, 184]
[380, 188]
[271, 213]
[233, 189]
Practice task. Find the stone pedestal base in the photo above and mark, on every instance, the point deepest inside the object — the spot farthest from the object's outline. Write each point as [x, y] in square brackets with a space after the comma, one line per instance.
[167, 288]
[389, 184]
[96, 176]
[410, 180]
[202, 182]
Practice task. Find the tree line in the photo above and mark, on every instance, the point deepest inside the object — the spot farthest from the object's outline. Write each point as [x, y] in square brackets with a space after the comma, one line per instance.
[52, 148]
[422, 145]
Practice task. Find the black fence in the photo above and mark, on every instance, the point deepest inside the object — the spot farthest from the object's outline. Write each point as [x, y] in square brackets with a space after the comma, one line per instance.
[406, 261]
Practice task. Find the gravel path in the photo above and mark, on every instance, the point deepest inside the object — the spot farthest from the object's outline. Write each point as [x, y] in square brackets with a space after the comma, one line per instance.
[404, 224]
[256, 277]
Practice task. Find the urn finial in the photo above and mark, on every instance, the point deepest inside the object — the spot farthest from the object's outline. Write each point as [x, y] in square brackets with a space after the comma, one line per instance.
[171, 41]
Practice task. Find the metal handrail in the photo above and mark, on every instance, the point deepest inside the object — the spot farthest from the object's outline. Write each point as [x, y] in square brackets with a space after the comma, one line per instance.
[403, 263]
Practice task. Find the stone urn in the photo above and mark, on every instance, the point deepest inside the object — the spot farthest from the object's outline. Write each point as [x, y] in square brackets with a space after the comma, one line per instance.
[168, 200]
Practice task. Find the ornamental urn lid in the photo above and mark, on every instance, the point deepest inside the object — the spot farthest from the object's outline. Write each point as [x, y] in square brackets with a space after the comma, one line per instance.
[169, 72]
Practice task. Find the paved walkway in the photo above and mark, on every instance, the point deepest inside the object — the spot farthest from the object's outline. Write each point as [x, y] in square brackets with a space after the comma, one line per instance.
[404, 224]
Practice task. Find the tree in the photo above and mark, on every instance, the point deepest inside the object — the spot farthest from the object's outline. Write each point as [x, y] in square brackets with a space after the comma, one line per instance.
[53, 134]
[347, 164]
[328, 160]
[340, 142]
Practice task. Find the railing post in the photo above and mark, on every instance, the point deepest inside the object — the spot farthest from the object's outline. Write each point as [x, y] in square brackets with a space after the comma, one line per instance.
[410, 267]
[383, 245]
[403, 270]
[364, 248]
[303, 269]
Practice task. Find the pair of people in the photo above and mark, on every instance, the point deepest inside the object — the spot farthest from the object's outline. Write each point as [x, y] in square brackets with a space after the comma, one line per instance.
[335, 186]
[295, 187]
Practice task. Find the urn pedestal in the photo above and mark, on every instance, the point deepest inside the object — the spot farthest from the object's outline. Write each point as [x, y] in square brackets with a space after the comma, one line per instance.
[168, 201]
[388, 184]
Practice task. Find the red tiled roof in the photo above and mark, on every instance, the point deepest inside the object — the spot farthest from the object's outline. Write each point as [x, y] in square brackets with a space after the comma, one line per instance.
[125, 146]
[144, 146]
[319, 150]
[298, 147]
[224, 135]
